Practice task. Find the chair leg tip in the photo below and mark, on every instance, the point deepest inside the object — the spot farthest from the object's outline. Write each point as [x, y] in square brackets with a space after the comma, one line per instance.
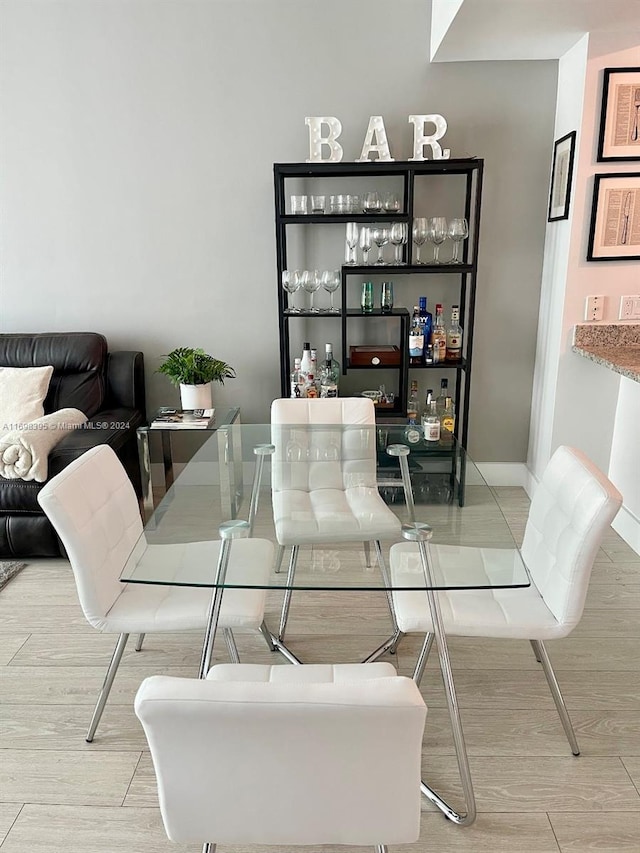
[576, 753]
[89, 740]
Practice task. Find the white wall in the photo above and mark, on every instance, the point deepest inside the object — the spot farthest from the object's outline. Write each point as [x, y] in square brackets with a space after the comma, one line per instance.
[136, 202]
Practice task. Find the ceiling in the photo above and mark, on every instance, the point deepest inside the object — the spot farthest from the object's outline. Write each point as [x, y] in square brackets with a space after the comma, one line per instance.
[522, 29]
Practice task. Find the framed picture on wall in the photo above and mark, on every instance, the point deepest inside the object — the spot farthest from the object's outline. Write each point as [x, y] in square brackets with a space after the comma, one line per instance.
[620, 117]
[564, 150]
[615, 218]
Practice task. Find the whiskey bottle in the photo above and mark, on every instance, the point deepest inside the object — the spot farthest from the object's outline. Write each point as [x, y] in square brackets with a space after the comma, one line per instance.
[297, 382]
[412, 403]
[439, 337]
[432, 425]
[427, 410]
[441, 400]
[454, 337]
[447, 422]
[416, 339]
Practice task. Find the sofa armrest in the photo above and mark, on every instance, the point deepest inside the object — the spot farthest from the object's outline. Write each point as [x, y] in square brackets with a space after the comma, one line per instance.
[115, 427]
[125, 381]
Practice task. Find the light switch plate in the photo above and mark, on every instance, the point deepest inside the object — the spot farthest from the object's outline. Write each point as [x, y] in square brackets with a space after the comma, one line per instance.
[630, 307]
[594, 308]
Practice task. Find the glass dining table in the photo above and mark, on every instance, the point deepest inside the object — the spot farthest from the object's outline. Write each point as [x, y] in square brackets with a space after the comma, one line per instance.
[442, 504]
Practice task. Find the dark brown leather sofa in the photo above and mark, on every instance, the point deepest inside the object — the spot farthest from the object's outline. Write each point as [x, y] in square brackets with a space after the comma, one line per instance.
[107, 387]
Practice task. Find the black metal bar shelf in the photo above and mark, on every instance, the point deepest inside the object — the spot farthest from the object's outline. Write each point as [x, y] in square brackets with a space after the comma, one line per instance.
[319, 218]
[306, 314]
[406, 269]
[377, 312]
[441, 365]
[458, 166]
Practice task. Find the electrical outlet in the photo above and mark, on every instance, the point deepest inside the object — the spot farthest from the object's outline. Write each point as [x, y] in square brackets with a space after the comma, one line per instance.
[630, 308]
[594, 308]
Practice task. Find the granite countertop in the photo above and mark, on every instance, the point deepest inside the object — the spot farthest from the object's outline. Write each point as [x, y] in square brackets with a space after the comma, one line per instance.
[615, 346]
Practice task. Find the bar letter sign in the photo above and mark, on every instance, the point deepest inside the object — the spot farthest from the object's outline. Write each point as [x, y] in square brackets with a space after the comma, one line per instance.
[375, 140]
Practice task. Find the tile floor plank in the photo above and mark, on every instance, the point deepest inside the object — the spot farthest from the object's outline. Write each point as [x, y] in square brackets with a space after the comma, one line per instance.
[614, 832]
[8, 813]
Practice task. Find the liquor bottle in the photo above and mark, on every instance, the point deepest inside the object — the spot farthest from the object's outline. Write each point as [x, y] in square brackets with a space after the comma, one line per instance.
[310, 387]
[412, 403]
[432, 425]
[427, 410]
[439, 337]
[305, 362]
[454, 337]
[314, 362]
[426, 319]
[416, 339]
[329, 374]
[441, 399]
[297, 382]
[447, 422]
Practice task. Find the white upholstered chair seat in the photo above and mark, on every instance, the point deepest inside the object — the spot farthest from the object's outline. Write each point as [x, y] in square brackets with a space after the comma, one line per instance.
[301, 755]
[332, 515]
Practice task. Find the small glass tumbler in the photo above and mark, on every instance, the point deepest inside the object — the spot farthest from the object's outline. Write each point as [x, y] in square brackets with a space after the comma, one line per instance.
[317, 203]
[367, 297]
[386, 296]
[298, 204]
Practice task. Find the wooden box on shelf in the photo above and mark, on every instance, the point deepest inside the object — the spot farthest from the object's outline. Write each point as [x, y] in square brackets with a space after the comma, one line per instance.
[382, 354]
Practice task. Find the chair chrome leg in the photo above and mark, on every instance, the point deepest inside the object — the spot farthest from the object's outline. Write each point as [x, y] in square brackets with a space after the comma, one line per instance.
[541, 654]
[367, 553]
[423, 657]
[389, 644]
[279, 556]
[381, 848]
[140, 642]
[385, 578]
[209, 848]
[287, 593]
[266, 633]
[231, 645]
[106, 686]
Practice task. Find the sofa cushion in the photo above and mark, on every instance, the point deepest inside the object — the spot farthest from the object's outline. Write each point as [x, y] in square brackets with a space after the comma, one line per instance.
[22, 394]
[79, 366]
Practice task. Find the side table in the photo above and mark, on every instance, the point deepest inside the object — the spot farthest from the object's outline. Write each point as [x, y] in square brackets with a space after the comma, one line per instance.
[229, 455]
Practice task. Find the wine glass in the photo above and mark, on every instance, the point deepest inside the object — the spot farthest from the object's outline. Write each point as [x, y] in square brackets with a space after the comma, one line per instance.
[291, 283]
[330, 280]
[420, 232]
[311, 283]
[458, 231]
[365, 243]
[398, 237]
[352, 241]
[371, 203]
[438, 233]
[380, 237]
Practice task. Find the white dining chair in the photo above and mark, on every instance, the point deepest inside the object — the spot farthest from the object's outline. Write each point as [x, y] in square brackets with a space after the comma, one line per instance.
[94, 510]
[324, 480]
[287, 755]
[572, 508]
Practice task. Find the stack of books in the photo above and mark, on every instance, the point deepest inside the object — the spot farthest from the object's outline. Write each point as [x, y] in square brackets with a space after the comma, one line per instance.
[167, 418]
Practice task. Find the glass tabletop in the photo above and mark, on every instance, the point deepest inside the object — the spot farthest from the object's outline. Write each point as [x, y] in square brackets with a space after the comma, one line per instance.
[321, 478]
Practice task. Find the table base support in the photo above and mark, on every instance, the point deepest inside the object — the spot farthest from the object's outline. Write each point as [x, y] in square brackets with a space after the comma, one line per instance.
[279, 646]
[388, 646]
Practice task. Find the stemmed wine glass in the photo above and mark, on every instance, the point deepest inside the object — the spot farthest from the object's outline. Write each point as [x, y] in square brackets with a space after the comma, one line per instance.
[458, 231]
[330, 280]
[311, 283]
[352, 241]
[438, 233]
[398, 237]
[365, 243]
[380, 238]
[420, 232]
[291, 283]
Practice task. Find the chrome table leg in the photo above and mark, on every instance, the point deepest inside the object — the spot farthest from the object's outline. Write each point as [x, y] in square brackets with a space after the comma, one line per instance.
[140, 642]
[423, 657]
[287, 593]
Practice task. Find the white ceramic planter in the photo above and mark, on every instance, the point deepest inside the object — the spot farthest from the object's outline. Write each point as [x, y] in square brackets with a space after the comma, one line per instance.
[196, 396]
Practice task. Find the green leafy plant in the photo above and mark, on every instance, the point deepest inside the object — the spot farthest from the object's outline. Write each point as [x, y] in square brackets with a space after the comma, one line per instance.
[188, 366]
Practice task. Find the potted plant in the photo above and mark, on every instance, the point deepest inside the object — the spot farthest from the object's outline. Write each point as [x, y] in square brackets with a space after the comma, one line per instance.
[193, 370]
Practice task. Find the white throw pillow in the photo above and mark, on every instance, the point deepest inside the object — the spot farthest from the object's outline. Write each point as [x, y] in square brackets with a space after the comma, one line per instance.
[22, 393]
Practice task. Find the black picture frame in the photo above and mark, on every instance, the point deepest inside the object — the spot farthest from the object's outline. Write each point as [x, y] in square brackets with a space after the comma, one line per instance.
[615, 217]
[564, 151]
[619, 139]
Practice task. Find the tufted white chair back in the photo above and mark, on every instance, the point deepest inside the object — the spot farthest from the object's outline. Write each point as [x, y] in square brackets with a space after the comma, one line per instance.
[250, 762]
[571, 510]
[94, 510]
[339, 453]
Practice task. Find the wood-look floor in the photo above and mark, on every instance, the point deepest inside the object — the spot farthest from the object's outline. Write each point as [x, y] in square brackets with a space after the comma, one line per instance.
[59, 794]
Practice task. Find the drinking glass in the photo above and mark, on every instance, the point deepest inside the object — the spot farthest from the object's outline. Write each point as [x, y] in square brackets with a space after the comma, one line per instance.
[298, 204]
[311, 283]
[291, 283]
[366, 300]
[352, 241]
[419, 235]
[371, 203]
[391, 203]
[365, 243]
[330, 280]
[380, 237]
[438, 233]
[386, 296]
[458, 231]
[317, 204]
[398, 237]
